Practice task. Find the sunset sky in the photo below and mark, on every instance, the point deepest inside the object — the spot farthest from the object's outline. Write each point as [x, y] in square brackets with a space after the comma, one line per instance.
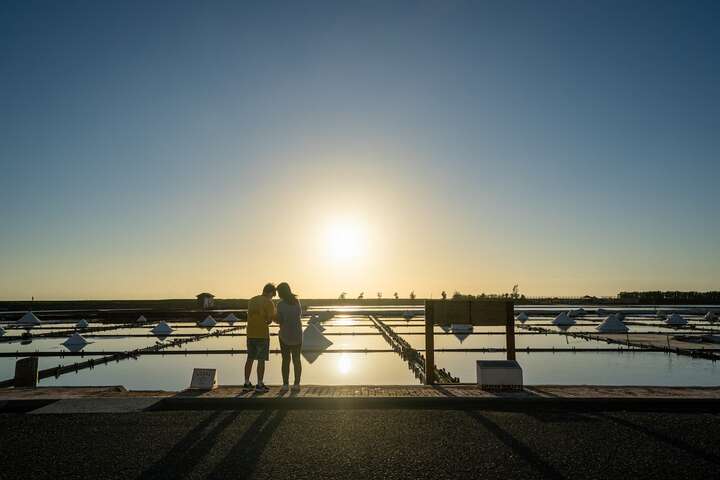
[157, 150]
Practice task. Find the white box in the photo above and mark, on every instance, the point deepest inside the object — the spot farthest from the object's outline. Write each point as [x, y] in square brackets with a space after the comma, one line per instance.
[204, 379]
[499, 375]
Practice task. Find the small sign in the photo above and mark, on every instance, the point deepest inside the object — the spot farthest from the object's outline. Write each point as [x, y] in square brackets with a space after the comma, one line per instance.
[26, 372]
[204, 379]
[499, 375]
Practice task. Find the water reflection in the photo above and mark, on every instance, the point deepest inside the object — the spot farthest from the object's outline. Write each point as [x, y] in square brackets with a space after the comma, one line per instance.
[344, 364]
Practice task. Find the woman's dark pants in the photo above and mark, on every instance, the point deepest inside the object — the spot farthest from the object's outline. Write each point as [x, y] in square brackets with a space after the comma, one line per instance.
[287, 352]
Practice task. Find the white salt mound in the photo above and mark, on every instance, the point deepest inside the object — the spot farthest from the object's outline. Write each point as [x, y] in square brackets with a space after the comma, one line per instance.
[313, 339]
[209, 322]
[75, 340]
[563, 320]
[461, 330]
[325, 316]
[162, 328]
[231, 318]
[407, 314]
[141, 319]
[82, 323]
[612, 324]
[711, 316]
[461, 327]
[2, 331]
[675, 319]
[522, 317]
[29, 319]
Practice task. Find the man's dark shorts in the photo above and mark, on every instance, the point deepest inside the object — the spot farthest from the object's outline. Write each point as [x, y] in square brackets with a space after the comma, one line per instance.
[258, 348]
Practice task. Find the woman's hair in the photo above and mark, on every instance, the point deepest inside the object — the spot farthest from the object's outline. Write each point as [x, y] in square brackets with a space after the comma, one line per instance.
[286, 294]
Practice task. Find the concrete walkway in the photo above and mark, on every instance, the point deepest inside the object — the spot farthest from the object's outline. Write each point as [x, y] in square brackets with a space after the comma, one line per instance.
[117, 399]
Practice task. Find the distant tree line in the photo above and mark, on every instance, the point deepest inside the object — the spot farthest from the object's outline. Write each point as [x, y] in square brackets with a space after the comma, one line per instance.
[670, 297]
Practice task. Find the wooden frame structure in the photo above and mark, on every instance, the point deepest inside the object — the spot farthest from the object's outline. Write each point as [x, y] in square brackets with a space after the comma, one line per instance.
[466, 312]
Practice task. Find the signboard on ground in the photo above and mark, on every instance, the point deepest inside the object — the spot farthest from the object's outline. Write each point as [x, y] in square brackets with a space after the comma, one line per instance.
[26, 372]
[499, 375]
[204, 379]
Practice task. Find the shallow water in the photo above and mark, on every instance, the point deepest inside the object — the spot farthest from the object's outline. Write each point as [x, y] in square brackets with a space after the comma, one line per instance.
[174, 372]
[357, 332]
[567, 368]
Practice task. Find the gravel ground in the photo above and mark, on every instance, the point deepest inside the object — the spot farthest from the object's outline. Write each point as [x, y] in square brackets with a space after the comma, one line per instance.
[388, 444]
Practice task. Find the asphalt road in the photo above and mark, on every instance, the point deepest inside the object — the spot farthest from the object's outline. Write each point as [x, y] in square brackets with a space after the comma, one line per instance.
[387, 444]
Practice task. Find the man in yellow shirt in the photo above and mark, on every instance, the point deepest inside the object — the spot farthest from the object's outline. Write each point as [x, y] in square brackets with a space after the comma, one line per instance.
[261, 313]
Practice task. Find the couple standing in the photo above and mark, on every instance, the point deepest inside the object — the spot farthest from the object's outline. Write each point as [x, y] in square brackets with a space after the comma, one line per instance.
[261, 313]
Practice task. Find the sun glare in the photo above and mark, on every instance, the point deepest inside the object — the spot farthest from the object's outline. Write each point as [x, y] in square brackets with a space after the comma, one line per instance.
[345, 241]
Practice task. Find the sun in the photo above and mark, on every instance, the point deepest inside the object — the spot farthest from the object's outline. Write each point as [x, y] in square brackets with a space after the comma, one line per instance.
[345, 240]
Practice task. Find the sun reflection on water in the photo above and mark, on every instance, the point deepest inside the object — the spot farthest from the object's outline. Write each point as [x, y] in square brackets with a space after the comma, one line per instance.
[344, 364]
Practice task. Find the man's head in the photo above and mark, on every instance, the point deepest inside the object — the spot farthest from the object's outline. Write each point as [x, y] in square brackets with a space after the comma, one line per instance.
[269, 290]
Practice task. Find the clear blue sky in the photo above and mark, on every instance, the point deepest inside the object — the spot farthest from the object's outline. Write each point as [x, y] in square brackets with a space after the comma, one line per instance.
[157, 149]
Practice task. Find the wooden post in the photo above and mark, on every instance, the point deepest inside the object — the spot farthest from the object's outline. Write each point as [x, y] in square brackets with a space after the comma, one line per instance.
[429, 344]
[510, 330]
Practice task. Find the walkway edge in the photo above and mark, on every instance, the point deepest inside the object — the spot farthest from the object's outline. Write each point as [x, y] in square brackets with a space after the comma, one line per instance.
[499, 404]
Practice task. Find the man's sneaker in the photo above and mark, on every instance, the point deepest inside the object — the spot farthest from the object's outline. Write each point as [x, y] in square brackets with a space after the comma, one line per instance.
[261, 388]
[296, 387]
[284, 388]
[247, 386]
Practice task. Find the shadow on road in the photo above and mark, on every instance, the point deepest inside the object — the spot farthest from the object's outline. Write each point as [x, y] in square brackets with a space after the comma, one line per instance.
[520, 448]
[191, 449]
[244, 455]
[671, 441]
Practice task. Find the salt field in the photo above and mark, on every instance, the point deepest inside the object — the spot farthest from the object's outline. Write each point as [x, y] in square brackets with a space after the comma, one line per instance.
[563, 345]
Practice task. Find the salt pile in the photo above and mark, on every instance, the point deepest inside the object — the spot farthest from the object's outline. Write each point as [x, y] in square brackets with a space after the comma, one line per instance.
[711, 316]
[675, 319]
[461, 330]
[315, 321]
[563, 320]
[231, 318]
[29, 320]
[612, 324]
[325, 316]
[162, 329]
[313, 343]
[522, 317]
[209, 322]
[75, 342]
[577, 313]
[461, 327]
[407, 315]
[313, 339]
[141, 319]
[82, 323]
[2, 331]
